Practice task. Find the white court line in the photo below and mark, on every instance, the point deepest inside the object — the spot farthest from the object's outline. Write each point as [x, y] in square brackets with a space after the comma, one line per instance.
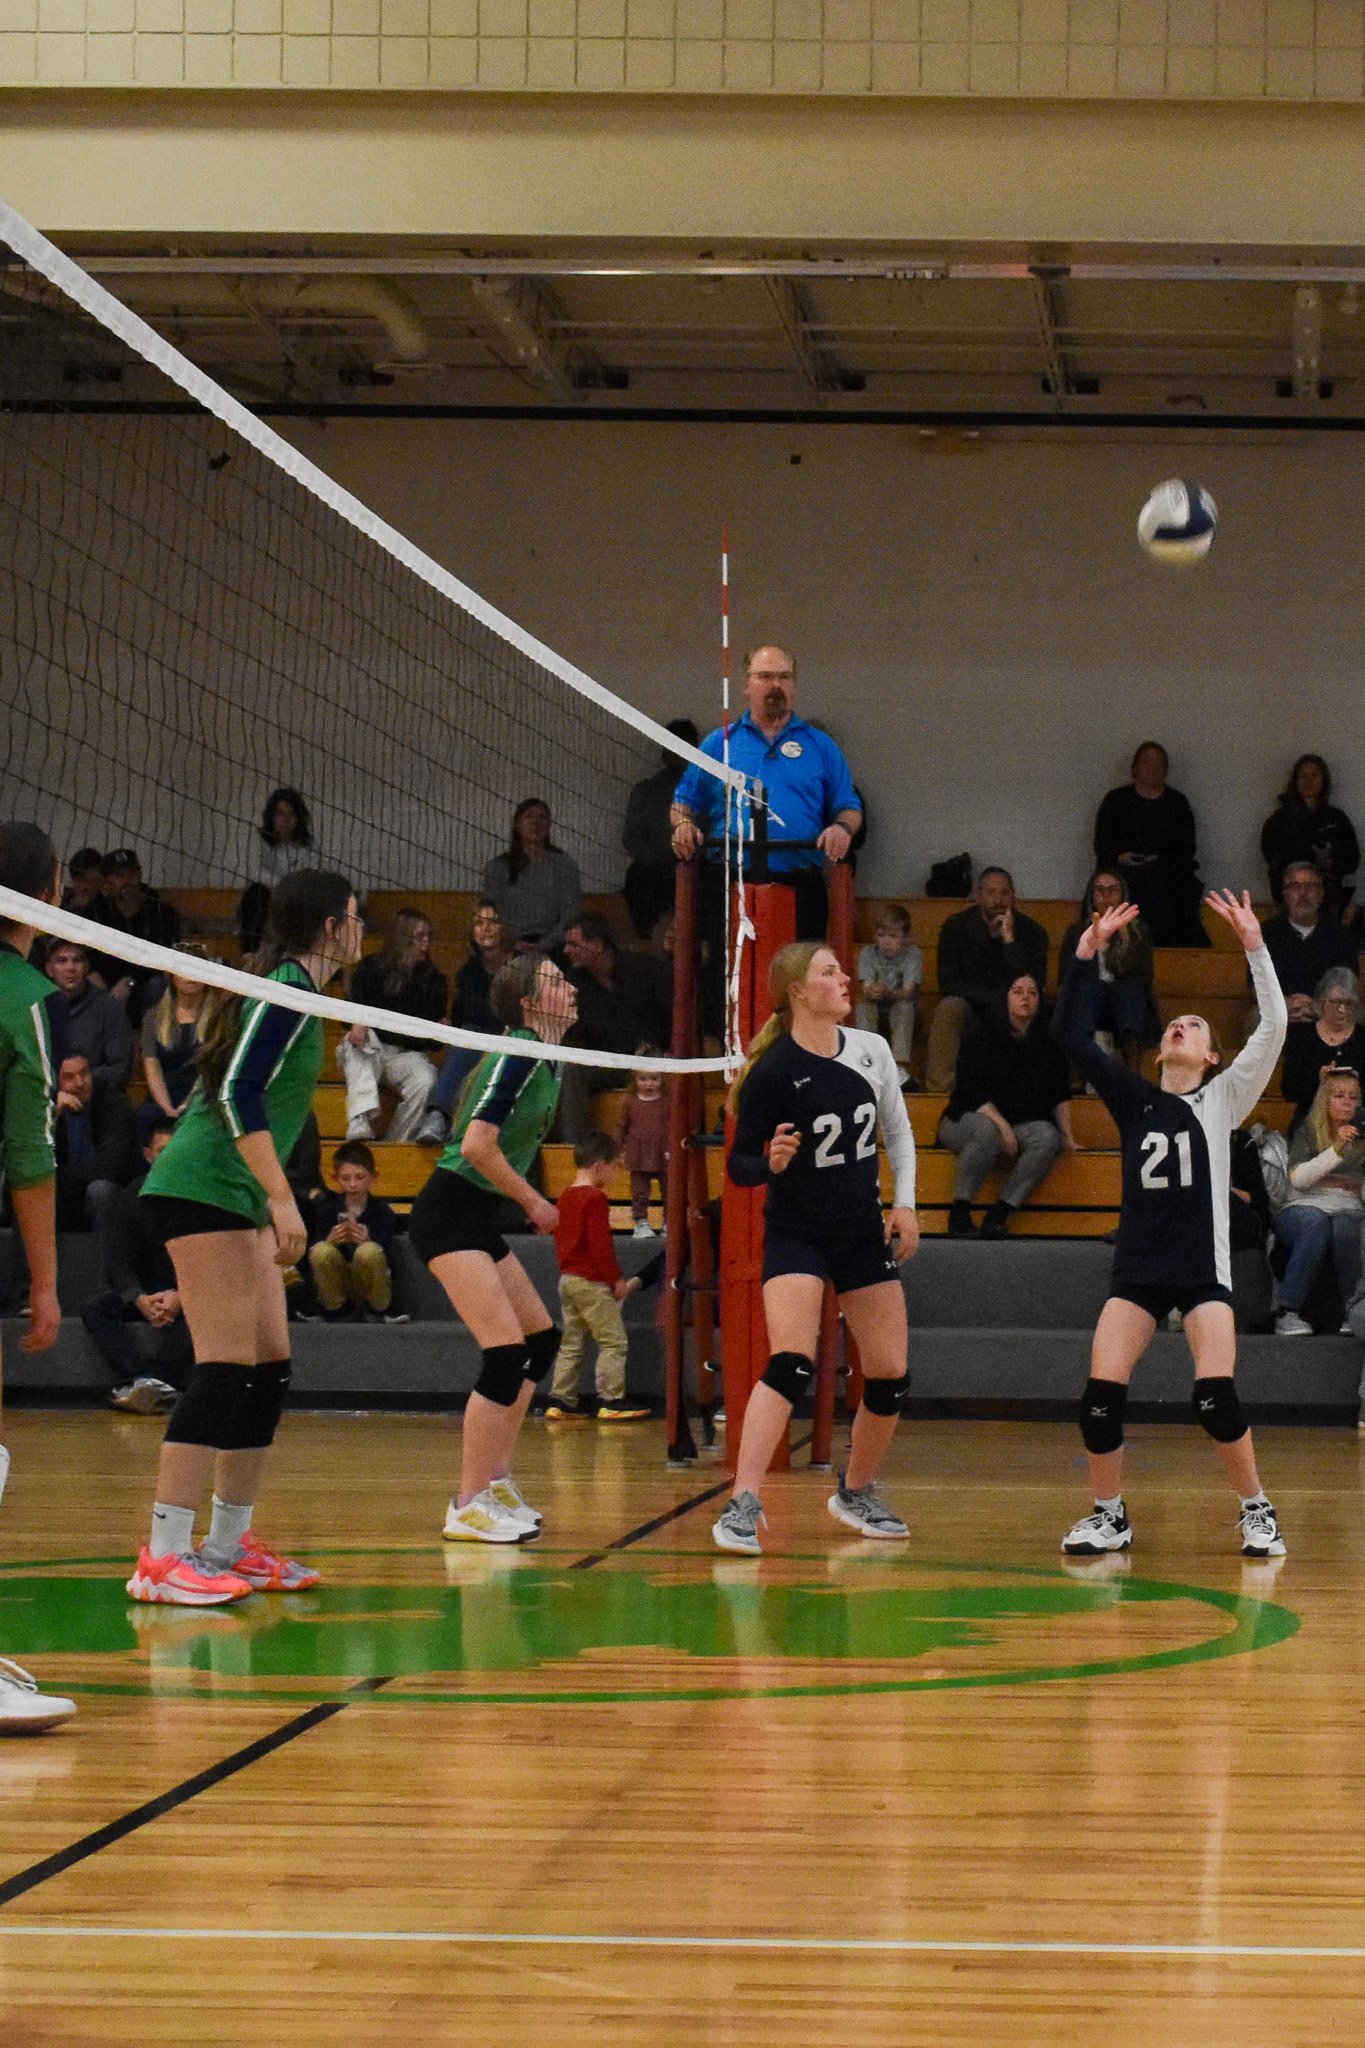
[726, 1943]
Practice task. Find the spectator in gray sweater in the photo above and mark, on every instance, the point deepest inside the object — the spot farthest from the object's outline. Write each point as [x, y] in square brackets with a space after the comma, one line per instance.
[94, 1023]
[537, 889]
[981, 951]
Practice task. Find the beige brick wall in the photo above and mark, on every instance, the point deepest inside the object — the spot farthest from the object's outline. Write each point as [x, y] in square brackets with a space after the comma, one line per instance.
[1128, 49]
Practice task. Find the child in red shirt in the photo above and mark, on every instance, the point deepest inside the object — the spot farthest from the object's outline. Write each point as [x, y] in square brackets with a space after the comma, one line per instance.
[591, 1290]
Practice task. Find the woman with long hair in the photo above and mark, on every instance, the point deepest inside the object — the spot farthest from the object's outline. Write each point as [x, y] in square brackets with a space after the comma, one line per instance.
[1306, 825]
[1146, 830]
[286, 835]
[471, 1010]
[1010, 1108]
[1126, 1008]
[402, 976]
[807, 1107]
[535, 885]
[220, 1199]
[171, 1041]
[1173, 1245]
[1323, 1215]
[501, 1121]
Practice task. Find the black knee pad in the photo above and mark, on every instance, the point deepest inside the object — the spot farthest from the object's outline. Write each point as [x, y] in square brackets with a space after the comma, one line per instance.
[1102, 1406]
[209, 1412]
[886, 1397]
[790, 1374]
[263, 1404]
[1218, 1409]
[542, 1349]
[500, 1376]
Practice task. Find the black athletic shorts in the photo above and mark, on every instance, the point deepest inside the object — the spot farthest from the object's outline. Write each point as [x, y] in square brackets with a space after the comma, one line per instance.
[452, 1215]
[176, 1217]
[848, 1263]
[1159, 1301]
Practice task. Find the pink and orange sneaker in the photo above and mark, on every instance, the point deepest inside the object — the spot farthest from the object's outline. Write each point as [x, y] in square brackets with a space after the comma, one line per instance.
[184, 1582]
[266, 1571]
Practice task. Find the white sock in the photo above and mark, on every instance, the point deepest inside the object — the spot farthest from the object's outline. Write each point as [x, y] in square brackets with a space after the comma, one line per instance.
[172, 1531]
[229, 1525]
[1114, 1504]
[4, 1469]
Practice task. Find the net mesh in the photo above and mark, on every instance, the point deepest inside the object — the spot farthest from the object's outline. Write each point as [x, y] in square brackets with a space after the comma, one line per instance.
[192, 614]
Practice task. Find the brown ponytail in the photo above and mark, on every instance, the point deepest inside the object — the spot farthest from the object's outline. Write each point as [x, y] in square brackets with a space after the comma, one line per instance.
[790, 965]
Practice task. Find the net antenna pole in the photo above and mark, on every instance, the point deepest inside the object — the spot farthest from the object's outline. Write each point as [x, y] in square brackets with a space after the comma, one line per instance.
[684, 1117]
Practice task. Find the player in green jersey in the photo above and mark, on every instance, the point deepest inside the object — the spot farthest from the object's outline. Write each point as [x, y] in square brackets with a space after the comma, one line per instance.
[500, 1124]
[228, 1215]
[28, 863]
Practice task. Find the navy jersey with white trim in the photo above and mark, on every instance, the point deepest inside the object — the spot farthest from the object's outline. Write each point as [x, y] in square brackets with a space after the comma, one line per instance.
[1173, 1220]
[832, 1186]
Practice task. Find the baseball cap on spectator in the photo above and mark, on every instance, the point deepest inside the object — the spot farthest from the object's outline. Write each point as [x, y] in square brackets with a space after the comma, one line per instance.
[123, 861]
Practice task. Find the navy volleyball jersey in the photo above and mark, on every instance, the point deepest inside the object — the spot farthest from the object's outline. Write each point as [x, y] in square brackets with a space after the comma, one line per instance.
[1173, 1224]
[832, 1187]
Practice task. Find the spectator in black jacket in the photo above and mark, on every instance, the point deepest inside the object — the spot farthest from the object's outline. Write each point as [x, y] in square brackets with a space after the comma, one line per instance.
[1011, 1105]
[350, 1235]
[1334, 1037]
[620, 1007]
[471, 1010]
[404, 977]
[1147, 831]
[91, 1022]
[130, 907]
[980, 952]
[1126, 1008]
[647, 836]
[1304, 942]
[1306, 825]
[135, 1321]
[95, 1140]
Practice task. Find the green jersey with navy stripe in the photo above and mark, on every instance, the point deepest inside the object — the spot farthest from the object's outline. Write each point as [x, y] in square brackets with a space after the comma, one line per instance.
[520, 1096]
[268, 1086]
[27, 1072]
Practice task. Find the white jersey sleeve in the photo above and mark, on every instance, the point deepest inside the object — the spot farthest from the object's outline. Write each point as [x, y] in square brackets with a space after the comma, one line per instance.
[1245, 1081]
[897, 1135]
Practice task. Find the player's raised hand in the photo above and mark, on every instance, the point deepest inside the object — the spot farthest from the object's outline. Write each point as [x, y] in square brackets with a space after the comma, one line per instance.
[1237, 911]
[1102, 928]
[783, 1147]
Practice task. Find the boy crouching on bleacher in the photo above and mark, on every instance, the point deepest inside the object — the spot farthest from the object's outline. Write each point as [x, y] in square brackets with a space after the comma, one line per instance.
[591, 1290]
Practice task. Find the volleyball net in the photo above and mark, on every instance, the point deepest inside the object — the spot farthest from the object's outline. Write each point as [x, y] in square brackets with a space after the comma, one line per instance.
[193, 613]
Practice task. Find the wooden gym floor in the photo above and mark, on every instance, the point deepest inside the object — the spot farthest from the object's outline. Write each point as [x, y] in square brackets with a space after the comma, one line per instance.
[618, 1789]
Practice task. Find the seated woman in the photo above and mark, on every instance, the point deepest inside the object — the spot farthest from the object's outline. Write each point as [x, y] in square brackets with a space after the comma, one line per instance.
[402, 976]
[471, 1008]
[286, 834]
[1333, 1037]
[1306, 825]
[1324, 1212]
[535, 886]
[1126, 1011]
[1011, 1102]
[172, 1034]
[1147, 831]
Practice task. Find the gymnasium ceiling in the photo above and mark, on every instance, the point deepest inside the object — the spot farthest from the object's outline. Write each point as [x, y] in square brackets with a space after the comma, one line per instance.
[965, 333]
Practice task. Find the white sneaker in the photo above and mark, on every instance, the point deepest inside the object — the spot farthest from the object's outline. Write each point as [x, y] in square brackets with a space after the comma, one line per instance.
[434, 1129]
[360, 1128]
[509, 1495]
[483, 1520]
[144, 1396]
[1288, 1324]
[1260, 1530]
[23, 1709]
[1099, 1531]
[644, 1229]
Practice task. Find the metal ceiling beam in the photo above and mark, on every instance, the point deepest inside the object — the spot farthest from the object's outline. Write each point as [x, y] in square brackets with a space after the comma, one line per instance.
[1045, 314]
[905, 268]
[522, 314]
[1307, 341]
[821, 370]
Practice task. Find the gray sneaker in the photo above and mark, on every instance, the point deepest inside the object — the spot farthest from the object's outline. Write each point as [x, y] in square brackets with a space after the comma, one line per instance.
[434, 1129]
[862, 1508]
[145, 1396]
[737, 1528]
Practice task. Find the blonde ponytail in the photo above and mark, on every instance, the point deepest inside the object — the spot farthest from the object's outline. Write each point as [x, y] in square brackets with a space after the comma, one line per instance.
[790, 965]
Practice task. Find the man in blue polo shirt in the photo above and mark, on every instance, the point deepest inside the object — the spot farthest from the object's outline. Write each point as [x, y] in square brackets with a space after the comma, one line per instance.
[808, 786]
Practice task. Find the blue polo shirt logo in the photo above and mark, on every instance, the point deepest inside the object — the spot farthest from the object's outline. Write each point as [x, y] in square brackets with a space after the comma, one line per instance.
[792, 749]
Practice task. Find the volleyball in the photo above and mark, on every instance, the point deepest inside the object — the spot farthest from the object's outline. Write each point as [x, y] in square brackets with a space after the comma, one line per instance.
[1177, 524]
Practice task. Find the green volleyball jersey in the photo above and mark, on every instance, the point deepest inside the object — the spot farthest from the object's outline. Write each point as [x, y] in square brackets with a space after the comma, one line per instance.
[520, 1096]
[28, 1074]
[268, 1086]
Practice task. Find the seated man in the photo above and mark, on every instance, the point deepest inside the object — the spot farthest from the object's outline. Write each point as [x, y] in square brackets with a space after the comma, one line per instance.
[890, 971]
[981, 951]
[349, 1236]
[138, 1300]
[130, 907]
[91, 1021]
[95, 1140]
[619, 999]
[1303, 940]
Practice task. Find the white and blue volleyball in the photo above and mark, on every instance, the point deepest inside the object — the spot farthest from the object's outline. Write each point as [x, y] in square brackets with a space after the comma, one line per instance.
[1177, 524]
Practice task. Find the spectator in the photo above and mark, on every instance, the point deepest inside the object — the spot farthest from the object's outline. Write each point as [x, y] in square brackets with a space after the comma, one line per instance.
[591, 1290]
[617, 1009]
[286, 832]
[644, 1139]
[1333, 1038]
[536, 888]
[1126, 1010]
[1011, 1102]
[647, 837]
[890, 972]
[808, 782]
[1303, 942]
[138, 1299]
[659, 958]
[84, 881]
[1306, 825]
[1147, 831]
[471, 1010]
[130, 908]
[87, 1019]
[402, 976]
[96, 1144]
[1324, 1211]
[350, 1235]
[981, 951]
[172, 1033]
[1250, 1232]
